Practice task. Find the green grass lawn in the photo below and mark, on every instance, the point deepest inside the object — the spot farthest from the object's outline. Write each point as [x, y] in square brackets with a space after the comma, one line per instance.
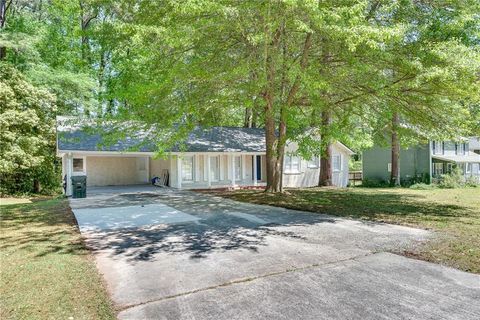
[453, 213]
[45, 270]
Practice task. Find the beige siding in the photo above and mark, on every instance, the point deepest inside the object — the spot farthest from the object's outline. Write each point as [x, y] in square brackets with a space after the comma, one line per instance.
[110, 171]
[157, 166]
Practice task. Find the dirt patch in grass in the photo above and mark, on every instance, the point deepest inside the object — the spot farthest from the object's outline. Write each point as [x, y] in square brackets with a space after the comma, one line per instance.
[453, 213]
[46, 271]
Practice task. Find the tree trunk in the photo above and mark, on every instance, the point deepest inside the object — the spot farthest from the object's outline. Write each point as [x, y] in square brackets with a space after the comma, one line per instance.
[273, 184]
[276, 145]
[325, 178]
[271, 143]
[36, 186]
[3, 16]
[395, 174]
[248, 122]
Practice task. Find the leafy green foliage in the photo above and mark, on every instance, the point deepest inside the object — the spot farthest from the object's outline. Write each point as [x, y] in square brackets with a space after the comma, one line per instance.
[27, 134]
[202, 62]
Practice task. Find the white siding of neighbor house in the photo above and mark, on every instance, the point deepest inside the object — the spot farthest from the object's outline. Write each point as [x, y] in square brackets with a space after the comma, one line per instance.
[475, 169]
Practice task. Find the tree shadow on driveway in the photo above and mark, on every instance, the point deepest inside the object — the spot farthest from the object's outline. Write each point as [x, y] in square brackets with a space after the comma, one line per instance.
[222, 225]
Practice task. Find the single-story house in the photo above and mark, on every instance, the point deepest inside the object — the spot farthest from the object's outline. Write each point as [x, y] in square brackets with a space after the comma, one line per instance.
[216, 157]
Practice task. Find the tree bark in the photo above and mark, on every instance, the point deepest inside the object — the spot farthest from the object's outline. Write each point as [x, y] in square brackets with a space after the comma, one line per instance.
[85, 20]
[276, 145]
[325, 178]
[36, 186]
[270, 136]
[248, 122]
[395, 173]
[4, 4]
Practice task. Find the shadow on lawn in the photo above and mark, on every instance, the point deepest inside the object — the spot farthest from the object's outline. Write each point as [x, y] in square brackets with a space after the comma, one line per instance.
[362, 204]
[41, 227]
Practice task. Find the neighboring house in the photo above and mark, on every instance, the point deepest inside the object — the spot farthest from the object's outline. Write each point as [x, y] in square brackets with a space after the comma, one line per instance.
[474, 144]
[423, 161]
[216, 157]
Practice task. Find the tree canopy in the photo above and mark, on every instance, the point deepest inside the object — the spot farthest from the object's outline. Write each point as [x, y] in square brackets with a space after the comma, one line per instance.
[341, 69]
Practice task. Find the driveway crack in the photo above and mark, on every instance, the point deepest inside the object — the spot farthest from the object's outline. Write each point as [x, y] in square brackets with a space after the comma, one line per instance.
[242, 280]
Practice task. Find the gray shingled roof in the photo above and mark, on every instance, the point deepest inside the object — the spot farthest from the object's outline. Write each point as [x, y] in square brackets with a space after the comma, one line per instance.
[214, 139]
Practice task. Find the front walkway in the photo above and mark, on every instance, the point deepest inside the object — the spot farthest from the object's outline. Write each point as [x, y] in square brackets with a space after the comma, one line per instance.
[169, 254]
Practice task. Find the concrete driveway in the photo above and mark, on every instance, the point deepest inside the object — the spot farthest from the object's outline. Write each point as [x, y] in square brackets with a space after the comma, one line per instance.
[182, 255]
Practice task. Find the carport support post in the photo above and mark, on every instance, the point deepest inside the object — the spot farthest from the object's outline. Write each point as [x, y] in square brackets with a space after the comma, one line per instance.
[69, 173]
[233, 170]
[179, 172]
[209, 177]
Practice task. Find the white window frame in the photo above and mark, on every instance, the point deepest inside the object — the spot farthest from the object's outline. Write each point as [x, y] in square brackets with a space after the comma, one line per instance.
[340, 162]
[435, 146]
[289, 166]
[468, 168]
[238, 168]
[213, 177]
[389, 167]
[192, 160]
[460, 148]
[313, 163]
[84, 166]
[449, 167]
[438, 168]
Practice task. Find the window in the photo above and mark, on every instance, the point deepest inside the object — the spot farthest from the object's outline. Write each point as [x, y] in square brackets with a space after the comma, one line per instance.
[313, 163]
[187, 168]
[291, 164]
[460, 148]
[214, 168]
[337, 162]
[389, 167]
[238, 168]
[449, 167]
[437, 147]
[78, 165]
[468, 167]
[437, 168]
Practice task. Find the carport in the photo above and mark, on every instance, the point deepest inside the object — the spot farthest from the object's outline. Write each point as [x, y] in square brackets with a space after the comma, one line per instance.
[111, 169]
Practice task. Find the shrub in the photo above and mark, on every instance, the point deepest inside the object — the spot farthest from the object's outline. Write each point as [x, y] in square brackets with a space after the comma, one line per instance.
[452, 180]
[422, 186]
[472, 182]
[374, 183]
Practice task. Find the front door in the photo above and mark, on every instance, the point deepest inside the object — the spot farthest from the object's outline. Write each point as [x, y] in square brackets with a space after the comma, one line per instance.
[259, 167]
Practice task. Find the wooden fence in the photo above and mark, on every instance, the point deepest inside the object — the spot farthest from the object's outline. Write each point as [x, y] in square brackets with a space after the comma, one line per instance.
[354, 176]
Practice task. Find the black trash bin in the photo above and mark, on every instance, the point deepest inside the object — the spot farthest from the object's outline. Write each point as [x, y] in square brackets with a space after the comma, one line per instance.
[79, 186]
